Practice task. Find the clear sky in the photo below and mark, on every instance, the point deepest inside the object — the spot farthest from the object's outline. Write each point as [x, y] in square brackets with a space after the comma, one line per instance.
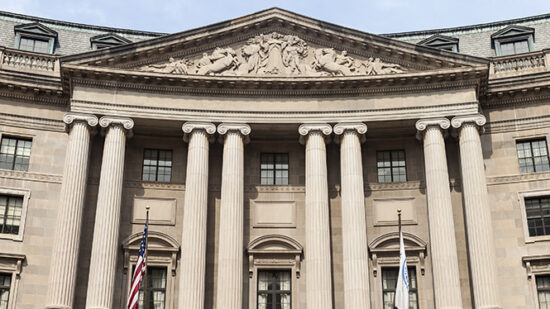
[376, 16]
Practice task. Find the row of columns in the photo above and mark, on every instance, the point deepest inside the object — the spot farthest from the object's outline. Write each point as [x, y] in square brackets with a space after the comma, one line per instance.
[447, 289]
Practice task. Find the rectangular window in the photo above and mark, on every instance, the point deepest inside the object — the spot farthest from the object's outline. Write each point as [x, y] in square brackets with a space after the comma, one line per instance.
[512, 48]
[391, 166]
[5, 283]
[274, 290]
[538, 215]
[157, 165]
[10, 214]
[543, 291]
[15, 153]
[34, 45]
[274, 168]
[532, 156]
[389, 282]
[156, 288]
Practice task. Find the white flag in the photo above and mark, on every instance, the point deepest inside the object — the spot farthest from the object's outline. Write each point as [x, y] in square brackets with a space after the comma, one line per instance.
[402, 288]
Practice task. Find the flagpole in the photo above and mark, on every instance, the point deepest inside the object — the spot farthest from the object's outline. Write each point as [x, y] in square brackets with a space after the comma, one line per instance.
[399, 220]
[145, 274]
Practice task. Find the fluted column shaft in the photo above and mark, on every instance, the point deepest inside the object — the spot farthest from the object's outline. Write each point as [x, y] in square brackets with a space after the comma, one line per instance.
[101, 282]
[354, 226]
[481, 246]
[317, 253]
[230, 252]
[193, 253]
[64, 259]
[442, 232]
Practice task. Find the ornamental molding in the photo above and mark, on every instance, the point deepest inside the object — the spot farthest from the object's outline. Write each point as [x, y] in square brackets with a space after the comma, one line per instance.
[26, 97]
[478, 120]
[519, 178]
[31, 176]
[32, 122]
[275, 54]
[512, 125]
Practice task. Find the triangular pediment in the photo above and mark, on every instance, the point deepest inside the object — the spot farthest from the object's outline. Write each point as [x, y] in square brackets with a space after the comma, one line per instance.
[438, 40]
[109, 39]
[35, 28]
[273, 43]
[511, 31]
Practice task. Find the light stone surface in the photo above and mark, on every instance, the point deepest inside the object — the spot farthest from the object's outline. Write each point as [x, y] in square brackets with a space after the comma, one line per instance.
[101, 282]
[62, 279]
[193, 254]
[478, 214]
[442, 233]
[231, 247]
[354, 227]
[317, 256]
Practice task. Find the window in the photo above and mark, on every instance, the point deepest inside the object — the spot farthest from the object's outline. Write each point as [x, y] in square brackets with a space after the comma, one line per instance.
[274, 168]
[538, 215]
[389, 282]
[543, 291]
[512, 48]
[15, 153]
[107, 40]
[391, 166]
[441, 42]
[5, 284]
[532, 156]
[156, 288]
[274, 291]
[11, 208]
[157, 165]
[34, 45]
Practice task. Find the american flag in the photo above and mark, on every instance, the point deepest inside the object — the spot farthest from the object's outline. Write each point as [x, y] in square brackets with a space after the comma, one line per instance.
[133, 296]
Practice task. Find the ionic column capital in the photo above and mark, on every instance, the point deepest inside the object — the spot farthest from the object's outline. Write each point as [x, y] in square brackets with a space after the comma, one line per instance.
[242, 128]
[124, 122]
[306, 128]
[191, 126]
[356, 127]
[422, 124]
[71, 118]
[477, 119]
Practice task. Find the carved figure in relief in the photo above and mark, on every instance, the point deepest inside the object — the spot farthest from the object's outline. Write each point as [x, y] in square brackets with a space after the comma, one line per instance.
[272, 51]
[220, 60]
[294, 52]
[172, 67]
[325, 61]
[379, 67]
[251, 54]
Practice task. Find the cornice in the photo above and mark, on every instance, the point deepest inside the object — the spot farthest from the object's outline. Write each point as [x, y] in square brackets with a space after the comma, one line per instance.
[31, 176]
[24, 94]
[32, 122]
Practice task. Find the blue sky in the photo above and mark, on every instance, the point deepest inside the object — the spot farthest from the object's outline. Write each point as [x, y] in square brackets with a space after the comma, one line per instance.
[376, 16]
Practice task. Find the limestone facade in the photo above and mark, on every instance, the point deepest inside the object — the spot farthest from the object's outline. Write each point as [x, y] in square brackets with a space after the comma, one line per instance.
[275, 128]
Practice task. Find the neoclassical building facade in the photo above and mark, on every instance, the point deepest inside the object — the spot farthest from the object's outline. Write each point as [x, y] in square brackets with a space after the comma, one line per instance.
[273, 152]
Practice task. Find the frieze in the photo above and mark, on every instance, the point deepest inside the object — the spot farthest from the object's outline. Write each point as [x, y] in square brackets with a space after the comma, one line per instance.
[30, 176]
[32, 122]
[500, 180]
[275, 54]
[512, 125]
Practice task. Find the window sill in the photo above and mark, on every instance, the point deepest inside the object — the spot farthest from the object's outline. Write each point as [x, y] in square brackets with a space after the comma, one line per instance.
[13, 237]
[535, 239]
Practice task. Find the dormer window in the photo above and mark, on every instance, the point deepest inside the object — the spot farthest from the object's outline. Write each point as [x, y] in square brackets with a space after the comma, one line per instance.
[107, 40]
[441, 42]
[35, 37]
[513, 40]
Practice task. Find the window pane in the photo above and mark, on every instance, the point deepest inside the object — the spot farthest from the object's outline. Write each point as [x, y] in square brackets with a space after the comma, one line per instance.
[507, 49]
[10, 214]
[274, 168]
[521, 47]
[274, 289]
[26, 44]
[391, 166]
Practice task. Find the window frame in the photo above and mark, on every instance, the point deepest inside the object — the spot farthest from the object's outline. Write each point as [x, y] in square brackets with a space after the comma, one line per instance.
[158, 150]
[522, 195]
[25, 194]
[12, 264]
[537, 299]
[274, 165]
[535, 265]
[17, 138]
[409, 270]
[391, 166]
[513, 33]
[530, 141]
[271, 293]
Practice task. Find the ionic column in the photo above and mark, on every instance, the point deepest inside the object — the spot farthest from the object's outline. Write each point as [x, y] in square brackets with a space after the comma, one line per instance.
[193, 243]
[101, 282]
[231, 248]
[62, 277]
[479, 228]
[354, 226]
[317, 252]
[440, 211]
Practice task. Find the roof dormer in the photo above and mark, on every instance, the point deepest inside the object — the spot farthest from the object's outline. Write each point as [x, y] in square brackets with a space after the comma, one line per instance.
[513, 40]
[35, 37]
[441, 42]
[107, 40]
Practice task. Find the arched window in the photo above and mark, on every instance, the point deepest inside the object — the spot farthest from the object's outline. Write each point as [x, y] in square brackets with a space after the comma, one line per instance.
[274, 258]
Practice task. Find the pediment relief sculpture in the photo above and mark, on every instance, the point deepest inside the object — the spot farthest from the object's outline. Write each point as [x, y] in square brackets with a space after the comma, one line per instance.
[276, 54]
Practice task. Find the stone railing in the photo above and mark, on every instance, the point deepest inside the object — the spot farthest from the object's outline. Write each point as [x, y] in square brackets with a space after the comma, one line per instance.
[28, 62]
[526, 63]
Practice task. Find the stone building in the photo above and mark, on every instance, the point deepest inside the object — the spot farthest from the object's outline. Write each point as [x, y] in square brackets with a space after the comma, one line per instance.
[273, 151]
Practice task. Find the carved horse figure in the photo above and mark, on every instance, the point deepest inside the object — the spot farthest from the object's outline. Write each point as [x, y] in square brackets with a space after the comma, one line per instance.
[325, 60]
[220, 60]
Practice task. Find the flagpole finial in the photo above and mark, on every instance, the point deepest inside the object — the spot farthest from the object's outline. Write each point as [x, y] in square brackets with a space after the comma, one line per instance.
[147, 207]
[399, 211]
